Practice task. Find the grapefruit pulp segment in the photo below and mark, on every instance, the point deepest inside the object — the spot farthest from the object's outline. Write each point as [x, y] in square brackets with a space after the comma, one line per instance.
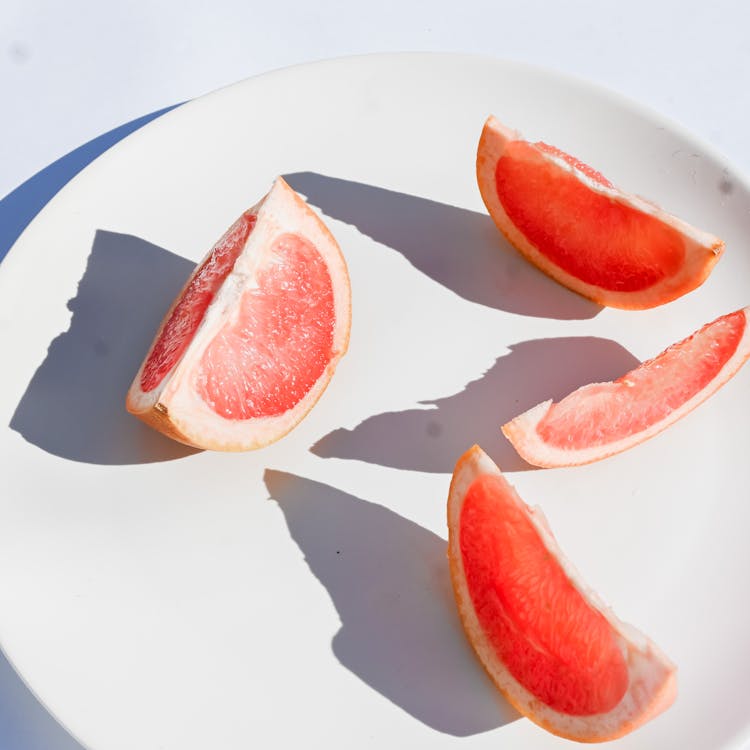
[605, 243]
[252, 341]
[556, 652]
[601, 419]
[573, 224]
[552, 641]
[267, 359]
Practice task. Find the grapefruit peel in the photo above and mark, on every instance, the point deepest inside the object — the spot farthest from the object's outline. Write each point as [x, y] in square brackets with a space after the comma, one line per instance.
[651, 677]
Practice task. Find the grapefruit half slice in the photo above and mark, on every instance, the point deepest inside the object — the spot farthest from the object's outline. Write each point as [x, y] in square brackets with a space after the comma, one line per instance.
[556, 652]
[576, 226]
[252, 340]
[601, 419]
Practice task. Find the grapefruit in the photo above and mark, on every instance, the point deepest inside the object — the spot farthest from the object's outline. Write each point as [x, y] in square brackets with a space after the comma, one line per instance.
[576, 226]
[556, 652]
[252, 340]
[601, 419]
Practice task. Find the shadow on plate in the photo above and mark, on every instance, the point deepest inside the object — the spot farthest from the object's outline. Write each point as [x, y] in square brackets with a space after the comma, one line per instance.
[432, 438]
[74, 406]
[389, 581]
[25, 724]
[460, 249]
[19, 207]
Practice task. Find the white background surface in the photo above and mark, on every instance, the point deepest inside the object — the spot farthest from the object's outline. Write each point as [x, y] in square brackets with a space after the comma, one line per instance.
[72, 71]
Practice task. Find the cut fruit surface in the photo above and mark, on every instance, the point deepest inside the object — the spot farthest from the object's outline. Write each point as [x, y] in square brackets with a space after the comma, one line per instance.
[572, 223]
[601, 419]
[252, 340]
[549, 644]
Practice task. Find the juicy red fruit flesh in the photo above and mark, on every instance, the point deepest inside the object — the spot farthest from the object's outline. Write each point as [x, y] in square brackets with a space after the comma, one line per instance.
[553, 642]
[605, 412]
[266, 359]
[188, 313]
[588, 234]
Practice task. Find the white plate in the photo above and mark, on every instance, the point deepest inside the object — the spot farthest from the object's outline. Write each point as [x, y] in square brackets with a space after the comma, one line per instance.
[154, 597]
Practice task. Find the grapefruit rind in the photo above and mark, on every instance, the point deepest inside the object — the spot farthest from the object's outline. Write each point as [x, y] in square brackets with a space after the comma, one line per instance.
[652, 676]
[523, 433]
[174, 407]
[702, 250]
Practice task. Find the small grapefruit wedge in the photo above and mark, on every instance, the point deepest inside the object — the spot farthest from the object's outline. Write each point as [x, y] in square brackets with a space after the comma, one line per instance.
[572, 223]
[556, 652]
[252, 340]
[601, 419]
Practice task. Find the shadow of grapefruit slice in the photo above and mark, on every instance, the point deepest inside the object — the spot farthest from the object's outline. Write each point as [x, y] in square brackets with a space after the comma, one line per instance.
[572, 223]
[556, 652]
[601, 419]
[252, 340]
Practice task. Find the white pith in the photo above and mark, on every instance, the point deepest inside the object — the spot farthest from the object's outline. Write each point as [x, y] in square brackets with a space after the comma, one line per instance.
[701, 248]
[280, 212]
[652, 677]
[522, 430]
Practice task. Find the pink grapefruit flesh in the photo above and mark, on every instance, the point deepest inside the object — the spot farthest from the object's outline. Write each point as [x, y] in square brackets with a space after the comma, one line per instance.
[291, 314]
[576, 226]
[575, 665]
[251, 342]
[549, 644]
[601, 419]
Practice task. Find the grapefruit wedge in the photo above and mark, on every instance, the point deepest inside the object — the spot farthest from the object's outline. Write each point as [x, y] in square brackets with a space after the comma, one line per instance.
[556, 652]
[252, 340]
[572, 223]
[601, 419]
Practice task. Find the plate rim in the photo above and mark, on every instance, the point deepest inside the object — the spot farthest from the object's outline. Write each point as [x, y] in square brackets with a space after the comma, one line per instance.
[594, 87]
